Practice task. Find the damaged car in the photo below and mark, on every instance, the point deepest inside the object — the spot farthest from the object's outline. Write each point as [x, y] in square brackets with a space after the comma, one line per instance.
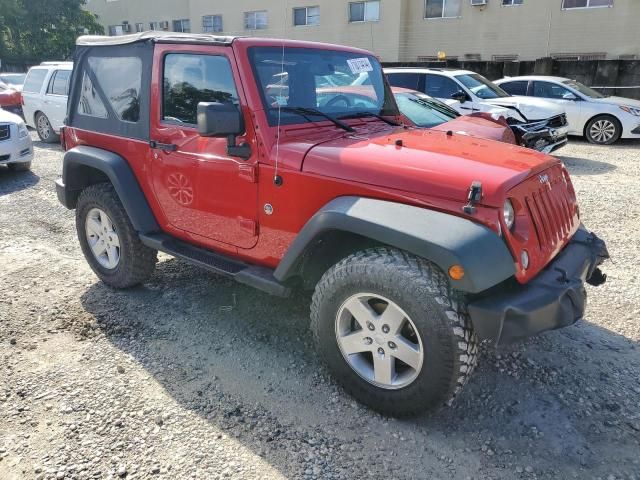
[536, 123]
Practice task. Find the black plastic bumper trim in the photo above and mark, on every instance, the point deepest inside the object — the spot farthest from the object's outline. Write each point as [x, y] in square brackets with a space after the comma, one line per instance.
[556, 298]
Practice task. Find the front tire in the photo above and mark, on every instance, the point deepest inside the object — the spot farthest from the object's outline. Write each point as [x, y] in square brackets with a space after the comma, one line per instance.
[603, 130]
[20, 167]
[383, 309]
[108, 240]
[45, 130]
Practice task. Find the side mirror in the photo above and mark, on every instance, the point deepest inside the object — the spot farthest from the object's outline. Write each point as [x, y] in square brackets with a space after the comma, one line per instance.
[219, 119]
[223, 120]
[569, 96]
[459, 96]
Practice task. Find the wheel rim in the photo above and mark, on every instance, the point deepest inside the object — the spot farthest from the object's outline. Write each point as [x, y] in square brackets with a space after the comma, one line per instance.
[602, 130]
[102, 238]
[44, 128]
[379, 341]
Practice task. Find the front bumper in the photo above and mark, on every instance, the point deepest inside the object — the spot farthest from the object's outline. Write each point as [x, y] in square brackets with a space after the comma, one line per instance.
[556, 298]
[16, 149]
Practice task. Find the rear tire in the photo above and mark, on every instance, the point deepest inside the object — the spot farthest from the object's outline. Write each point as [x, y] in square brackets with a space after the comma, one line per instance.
[440, 331]
[20, 167]
[45, 130]
[603, 130]
[108, 240]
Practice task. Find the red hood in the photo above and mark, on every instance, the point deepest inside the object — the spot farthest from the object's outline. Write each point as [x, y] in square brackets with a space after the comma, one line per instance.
[428, 163]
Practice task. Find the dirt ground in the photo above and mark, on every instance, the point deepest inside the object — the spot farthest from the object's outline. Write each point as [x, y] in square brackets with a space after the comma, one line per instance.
[195, 376]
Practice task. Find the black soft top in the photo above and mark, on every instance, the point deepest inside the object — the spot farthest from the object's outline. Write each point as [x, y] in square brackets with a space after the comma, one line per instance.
[155, 37]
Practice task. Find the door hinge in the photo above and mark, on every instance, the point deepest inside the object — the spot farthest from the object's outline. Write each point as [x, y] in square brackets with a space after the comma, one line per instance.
[248, 172]
[248, 225]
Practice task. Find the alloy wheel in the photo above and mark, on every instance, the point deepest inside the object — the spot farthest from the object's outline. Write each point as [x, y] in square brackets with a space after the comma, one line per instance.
[102, 238]
[602, 131]
[379, 341]
[44, 127]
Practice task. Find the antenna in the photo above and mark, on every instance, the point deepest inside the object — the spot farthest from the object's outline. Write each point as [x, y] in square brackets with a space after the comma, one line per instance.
[277, 179]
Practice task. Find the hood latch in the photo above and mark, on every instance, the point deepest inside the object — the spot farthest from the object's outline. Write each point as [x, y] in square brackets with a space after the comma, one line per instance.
[475, 195]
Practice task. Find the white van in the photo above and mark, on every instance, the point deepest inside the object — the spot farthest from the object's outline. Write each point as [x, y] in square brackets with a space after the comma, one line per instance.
[44, 98]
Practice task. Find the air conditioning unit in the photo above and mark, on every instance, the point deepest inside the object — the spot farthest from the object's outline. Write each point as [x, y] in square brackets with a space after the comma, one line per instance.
[164, 25]
[478, 3]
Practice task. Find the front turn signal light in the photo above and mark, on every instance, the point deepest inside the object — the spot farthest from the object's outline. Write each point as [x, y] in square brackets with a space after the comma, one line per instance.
[456, 272]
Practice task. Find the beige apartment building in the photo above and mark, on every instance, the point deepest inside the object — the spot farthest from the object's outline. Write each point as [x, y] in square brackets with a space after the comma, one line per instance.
[404, 30]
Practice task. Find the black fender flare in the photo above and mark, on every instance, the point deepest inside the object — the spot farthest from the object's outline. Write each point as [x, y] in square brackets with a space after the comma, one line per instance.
[439, 237]
[76, 176]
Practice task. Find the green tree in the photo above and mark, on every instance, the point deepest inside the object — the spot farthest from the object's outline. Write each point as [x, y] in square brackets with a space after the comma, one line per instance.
[32, 31]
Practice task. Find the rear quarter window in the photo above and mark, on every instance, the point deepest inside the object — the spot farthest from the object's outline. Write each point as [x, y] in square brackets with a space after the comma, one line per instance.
[59, 83]
[35, 79]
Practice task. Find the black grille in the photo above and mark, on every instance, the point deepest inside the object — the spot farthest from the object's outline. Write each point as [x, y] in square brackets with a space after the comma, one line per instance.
[5, 132]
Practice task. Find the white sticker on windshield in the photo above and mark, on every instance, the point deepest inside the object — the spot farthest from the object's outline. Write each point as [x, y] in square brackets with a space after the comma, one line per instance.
[359, 65]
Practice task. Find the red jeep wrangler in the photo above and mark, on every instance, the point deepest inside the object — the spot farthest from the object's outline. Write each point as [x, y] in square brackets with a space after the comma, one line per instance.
[225, 152]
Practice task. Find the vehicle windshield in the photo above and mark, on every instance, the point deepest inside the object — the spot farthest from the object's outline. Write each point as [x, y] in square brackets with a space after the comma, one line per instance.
[481, 87]
[335, 83]
[13, 79]
[424, 111]
[583, 89]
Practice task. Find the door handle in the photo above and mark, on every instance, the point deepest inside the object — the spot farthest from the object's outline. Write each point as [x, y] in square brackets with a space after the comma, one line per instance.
[169, 147]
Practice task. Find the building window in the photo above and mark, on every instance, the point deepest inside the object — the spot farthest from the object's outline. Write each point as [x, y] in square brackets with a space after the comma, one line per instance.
[442, 8]
[139, 27]
[472, 57]
[211, 23]
[116, 30]
[364, 11]
[154, 26]
[255, 20]
[505, 58]
[306, 16]
[575, 57]
[567, 4]
[183, 25]
[510, 3]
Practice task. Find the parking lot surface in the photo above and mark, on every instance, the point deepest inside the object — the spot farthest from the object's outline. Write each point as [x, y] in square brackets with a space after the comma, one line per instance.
[195, 376]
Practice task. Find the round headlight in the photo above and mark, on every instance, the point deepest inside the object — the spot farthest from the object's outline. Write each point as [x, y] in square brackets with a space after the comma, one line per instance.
[509, 214]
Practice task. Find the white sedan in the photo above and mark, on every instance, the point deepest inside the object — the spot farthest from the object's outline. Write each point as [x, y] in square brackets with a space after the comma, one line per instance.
[16, 148]
[601, 119]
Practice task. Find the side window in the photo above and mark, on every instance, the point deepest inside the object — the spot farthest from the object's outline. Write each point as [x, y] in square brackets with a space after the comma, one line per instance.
[90, 103]
[35, 79]
[515, 88]
[439, 86]
[405, 80]
[120, 79]
[59, 83]
[190, 79]
[549, 90]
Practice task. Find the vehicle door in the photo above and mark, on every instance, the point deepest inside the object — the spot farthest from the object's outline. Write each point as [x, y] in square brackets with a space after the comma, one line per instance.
[564, 97]
[32, 94]
[517, 88]
[410, 80]
[201, 189]
[450, 92]
[55, 98]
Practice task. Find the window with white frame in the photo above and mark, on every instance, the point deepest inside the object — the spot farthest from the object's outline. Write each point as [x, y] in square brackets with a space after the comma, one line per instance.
[211, 23]
[568, 4]
[183, 25]
[116, 30]
[364, 11]
[139, 27]
[255, 20]
[443, 8]
[510, 3]
[306, 16]
[154, 26]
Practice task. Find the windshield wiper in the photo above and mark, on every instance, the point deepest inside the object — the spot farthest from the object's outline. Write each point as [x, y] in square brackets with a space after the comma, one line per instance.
[370, 114]
[306, 112]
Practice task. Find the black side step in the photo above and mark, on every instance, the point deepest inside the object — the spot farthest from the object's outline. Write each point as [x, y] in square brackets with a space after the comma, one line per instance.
[255, 276]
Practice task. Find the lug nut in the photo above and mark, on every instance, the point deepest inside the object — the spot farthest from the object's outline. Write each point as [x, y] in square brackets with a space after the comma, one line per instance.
[368, 341]
[370, 326]
[385, 328]
[381, 351]
[392, 346]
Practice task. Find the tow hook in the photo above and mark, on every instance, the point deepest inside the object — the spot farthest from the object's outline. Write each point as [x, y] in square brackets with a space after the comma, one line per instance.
[597, 278]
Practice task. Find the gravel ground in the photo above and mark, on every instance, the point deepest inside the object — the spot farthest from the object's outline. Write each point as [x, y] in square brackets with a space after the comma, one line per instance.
[195, 376]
